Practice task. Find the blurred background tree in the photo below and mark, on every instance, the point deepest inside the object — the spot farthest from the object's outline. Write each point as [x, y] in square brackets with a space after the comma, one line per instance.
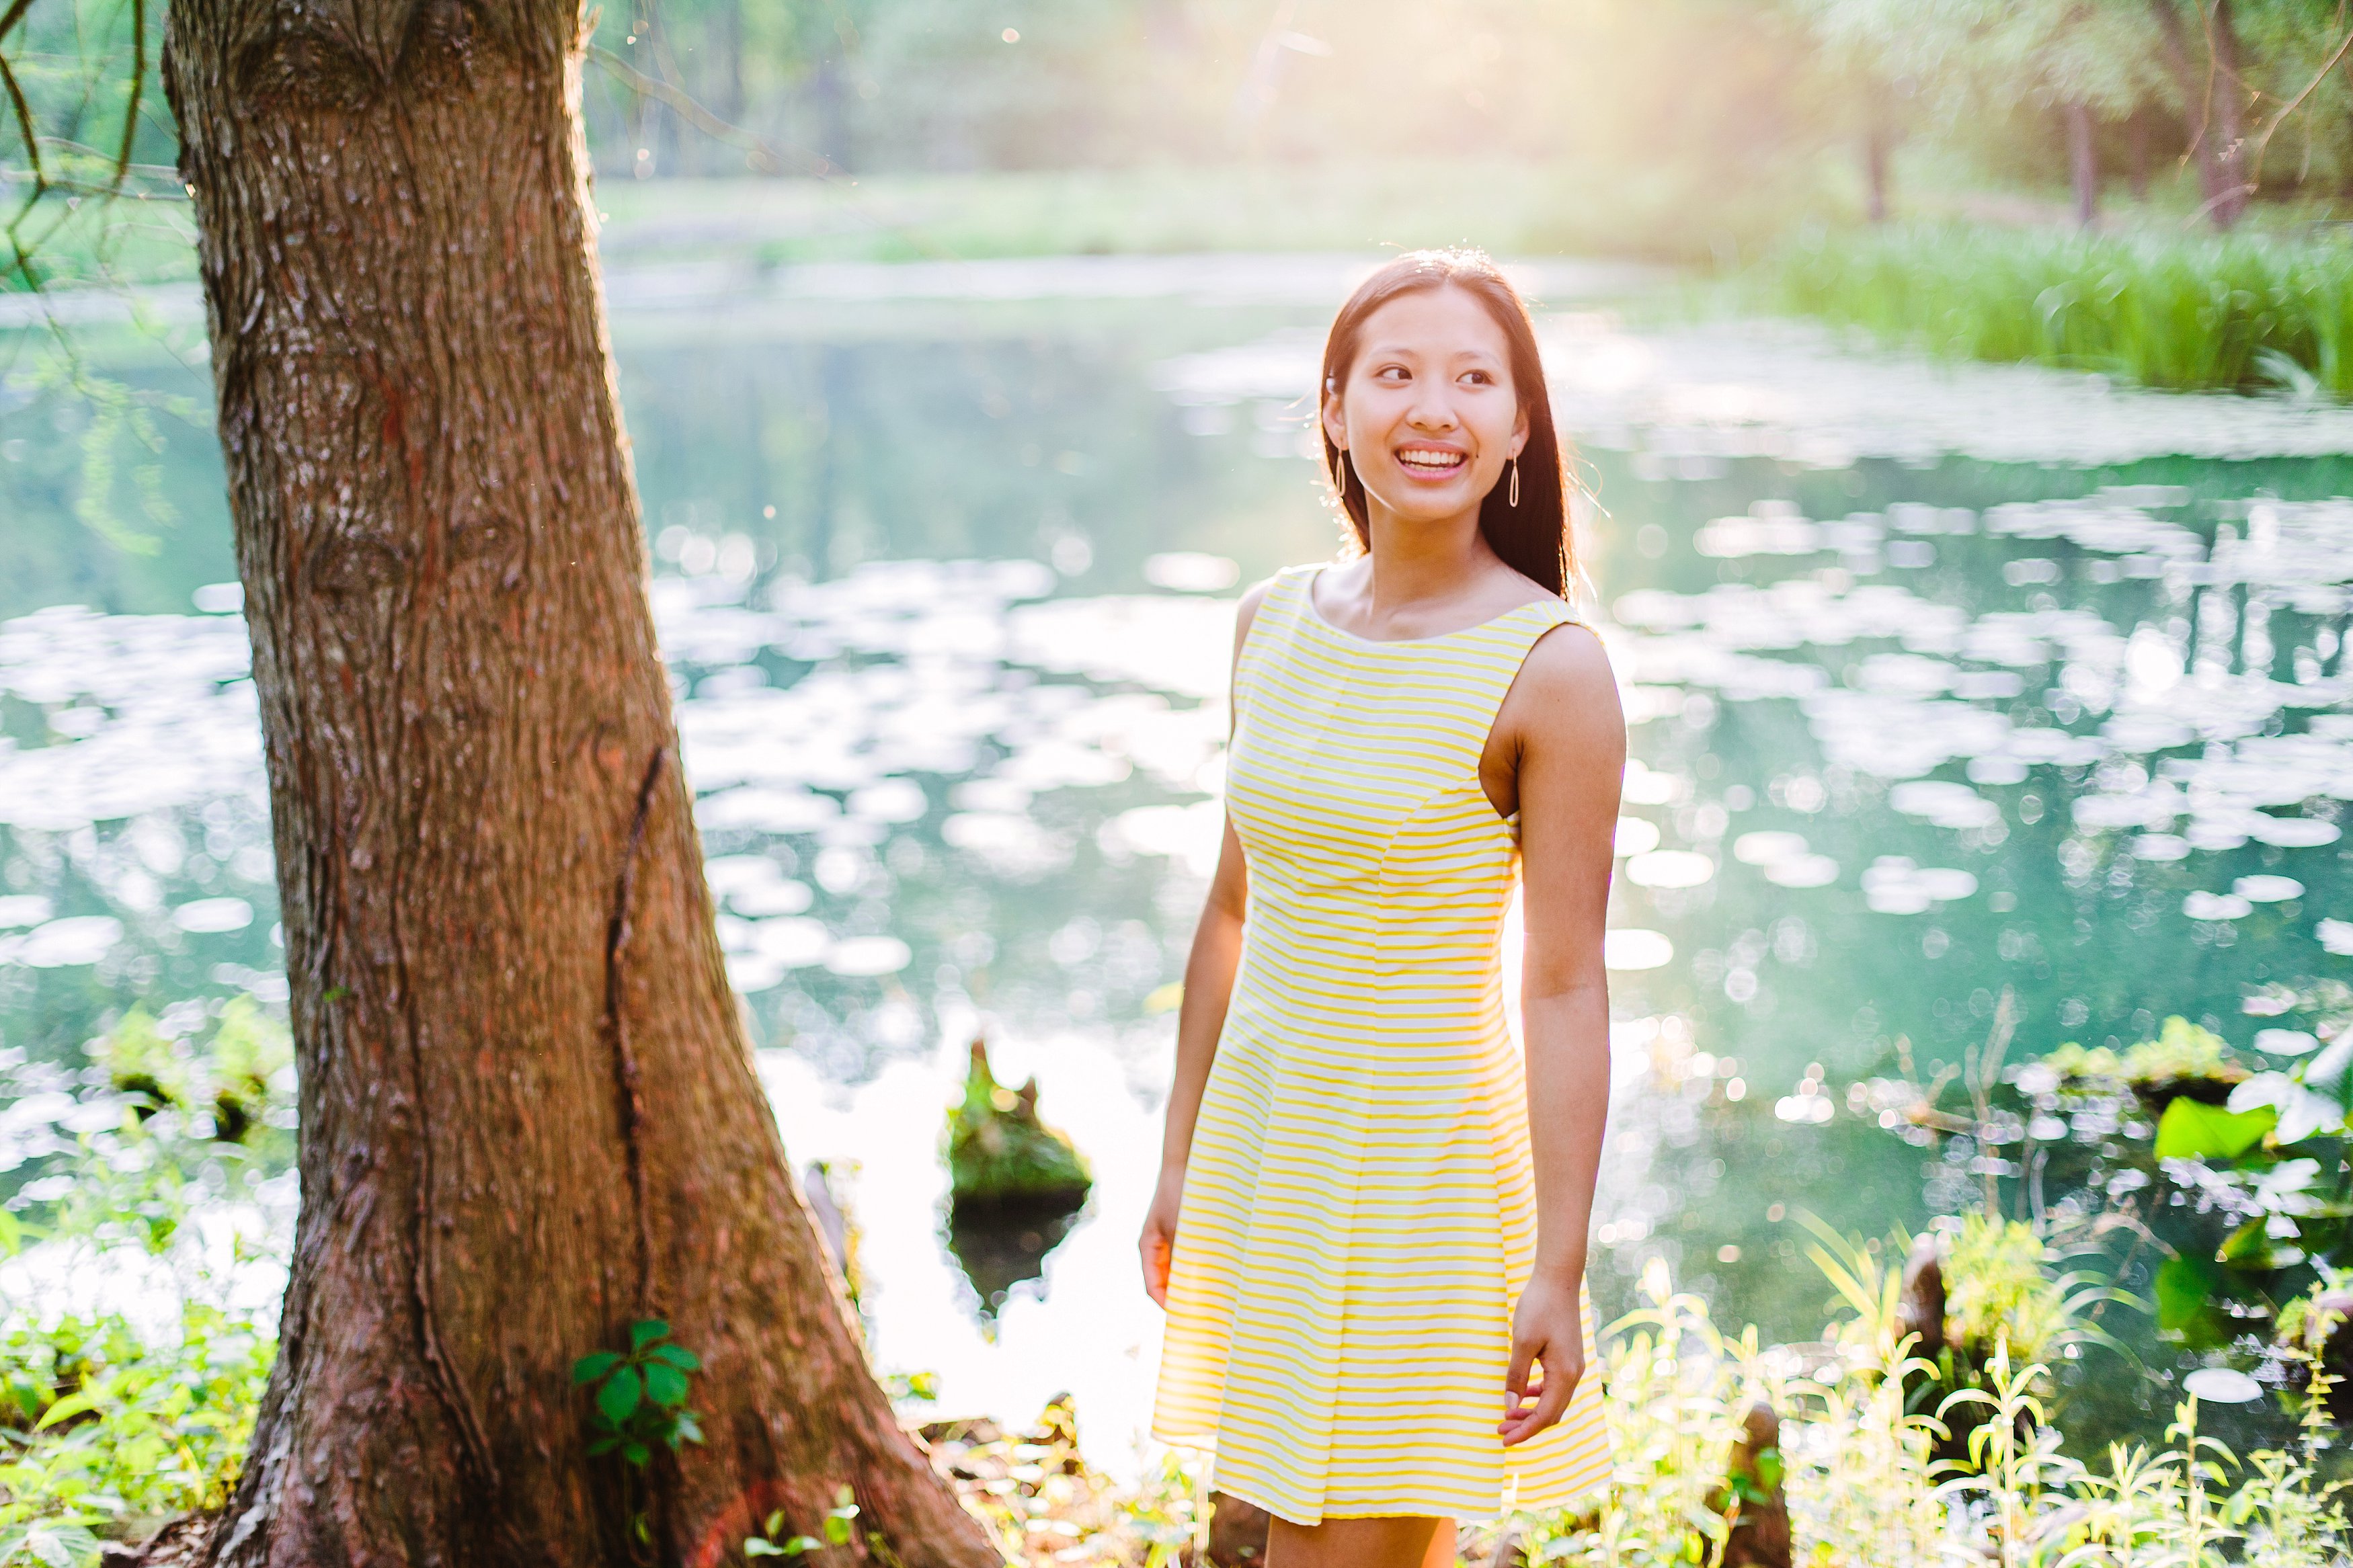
[1673, 129]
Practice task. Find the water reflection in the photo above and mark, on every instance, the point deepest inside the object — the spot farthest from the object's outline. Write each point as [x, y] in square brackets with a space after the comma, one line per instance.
[1927, 709]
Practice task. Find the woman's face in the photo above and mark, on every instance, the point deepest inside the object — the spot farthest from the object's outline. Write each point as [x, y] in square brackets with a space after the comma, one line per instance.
[1428, 414]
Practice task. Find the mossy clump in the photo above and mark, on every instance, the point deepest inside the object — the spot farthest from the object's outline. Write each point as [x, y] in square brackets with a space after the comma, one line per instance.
[226, 1076]
[2184, 1059]
[1000, 1155]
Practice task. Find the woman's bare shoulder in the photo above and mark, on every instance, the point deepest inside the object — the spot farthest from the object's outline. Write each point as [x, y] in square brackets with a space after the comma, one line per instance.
[1247, 612]
[1566, 689]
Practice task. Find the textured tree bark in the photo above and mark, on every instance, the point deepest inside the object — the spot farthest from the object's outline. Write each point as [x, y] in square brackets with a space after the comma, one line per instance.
[528, 1114]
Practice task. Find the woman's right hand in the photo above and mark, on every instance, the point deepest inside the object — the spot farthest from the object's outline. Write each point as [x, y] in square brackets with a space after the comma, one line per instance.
[1159, 1238]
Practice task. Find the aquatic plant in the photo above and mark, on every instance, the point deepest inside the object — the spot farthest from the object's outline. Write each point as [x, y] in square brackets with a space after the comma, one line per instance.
[1999, 1297]
[2227, 313]
[2184, 1058]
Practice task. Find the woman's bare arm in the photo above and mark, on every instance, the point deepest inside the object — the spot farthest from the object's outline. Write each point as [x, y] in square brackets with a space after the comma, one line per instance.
[1208, 988]
[1563, 716]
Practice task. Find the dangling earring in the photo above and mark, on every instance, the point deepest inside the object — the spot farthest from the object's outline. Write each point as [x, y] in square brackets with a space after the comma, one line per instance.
[1514, 498]
[1340, 471]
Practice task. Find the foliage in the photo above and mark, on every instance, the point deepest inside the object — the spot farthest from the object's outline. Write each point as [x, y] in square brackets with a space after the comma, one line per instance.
[2238, 313]
[105, 1431]
[84, 123]
[1046, 1506]
[2231, 1212]
[637, 1396]
[1864, 1489]
[112, 1421]
[1998, 1292]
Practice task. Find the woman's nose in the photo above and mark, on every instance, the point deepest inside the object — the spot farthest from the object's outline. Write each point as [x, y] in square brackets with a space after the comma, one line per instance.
[1432, 410]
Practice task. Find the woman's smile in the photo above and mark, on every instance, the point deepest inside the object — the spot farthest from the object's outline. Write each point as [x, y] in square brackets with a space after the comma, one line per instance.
[1432, 462]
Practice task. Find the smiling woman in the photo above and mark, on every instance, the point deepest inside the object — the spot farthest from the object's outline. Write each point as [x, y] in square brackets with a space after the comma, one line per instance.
[1500, 433]
[1370, 1230]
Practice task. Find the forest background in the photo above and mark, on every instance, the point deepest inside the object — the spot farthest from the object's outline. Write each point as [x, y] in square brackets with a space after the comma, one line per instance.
[1689, 130]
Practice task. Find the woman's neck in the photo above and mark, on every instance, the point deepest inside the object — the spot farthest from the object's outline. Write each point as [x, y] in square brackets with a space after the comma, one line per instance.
[1409, 563]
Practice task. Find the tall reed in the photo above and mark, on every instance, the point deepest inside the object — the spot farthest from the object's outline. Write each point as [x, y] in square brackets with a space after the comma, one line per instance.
[2183, 313]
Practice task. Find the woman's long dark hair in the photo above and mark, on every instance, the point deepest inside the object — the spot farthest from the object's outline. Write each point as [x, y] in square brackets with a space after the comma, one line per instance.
[1533, 537]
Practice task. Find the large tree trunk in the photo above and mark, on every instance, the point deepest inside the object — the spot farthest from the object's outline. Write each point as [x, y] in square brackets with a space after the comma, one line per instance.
[528, 1114]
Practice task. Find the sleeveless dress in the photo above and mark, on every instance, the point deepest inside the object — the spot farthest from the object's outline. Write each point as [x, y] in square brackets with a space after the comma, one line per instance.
[1359, 1211]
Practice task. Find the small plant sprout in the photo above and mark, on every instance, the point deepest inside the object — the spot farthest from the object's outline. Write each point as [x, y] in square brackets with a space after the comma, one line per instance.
[639, 1395]
[834, 1530]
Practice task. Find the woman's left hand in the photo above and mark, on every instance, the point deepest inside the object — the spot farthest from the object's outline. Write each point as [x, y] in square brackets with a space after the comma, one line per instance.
[1547, 1331]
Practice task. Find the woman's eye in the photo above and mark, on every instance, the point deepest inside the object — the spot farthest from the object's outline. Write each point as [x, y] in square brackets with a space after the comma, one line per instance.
[1478, 378]
[1390, 372]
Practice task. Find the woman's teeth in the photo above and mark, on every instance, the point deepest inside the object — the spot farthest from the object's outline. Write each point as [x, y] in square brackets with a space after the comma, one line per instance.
[1430, 462]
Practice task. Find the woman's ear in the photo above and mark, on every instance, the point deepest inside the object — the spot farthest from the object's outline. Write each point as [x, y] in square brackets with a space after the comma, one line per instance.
[1335, 424]
[1520, 433]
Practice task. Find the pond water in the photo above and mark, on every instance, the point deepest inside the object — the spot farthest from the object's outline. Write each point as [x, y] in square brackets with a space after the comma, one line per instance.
[1947, 684]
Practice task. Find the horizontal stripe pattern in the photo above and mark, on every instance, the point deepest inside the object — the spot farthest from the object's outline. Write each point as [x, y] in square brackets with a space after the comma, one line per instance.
[1359, 1213]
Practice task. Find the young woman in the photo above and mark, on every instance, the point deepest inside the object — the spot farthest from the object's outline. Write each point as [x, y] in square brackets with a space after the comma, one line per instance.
[1370, 1225]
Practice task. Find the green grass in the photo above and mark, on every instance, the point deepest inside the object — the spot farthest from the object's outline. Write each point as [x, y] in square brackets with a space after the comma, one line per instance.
[2184, 312]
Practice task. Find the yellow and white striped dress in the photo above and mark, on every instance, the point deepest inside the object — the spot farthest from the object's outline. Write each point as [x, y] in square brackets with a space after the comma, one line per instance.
[1359, 1211]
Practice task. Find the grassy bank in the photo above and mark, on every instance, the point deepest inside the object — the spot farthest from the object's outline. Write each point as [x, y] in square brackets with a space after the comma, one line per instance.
[1852, 1448]
[2186, 312]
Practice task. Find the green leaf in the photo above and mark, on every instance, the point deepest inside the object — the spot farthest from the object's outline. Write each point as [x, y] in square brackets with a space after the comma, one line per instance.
[837, 1528]
[754, 1546]
[621, 1394]
[605, 1445]
[775, 1522]
[2191, 1131]
[64, 1409]
[2183, 1285]
[636, 1453]
[665, 1384]
[589, 1368]
[645, 1330]
[685, 1428]
[678, 1356]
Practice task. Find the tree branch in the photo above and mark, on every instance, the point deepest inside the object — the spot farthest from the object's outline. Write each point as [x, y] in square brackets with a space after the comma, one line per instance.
[138, 84]
[764, 157]
[2264, 142]
[19, 258]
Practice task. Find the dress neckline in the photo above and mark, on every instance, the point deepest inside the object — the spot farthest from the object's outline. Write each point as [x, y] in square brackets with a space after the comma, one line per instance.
[1307, 598]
